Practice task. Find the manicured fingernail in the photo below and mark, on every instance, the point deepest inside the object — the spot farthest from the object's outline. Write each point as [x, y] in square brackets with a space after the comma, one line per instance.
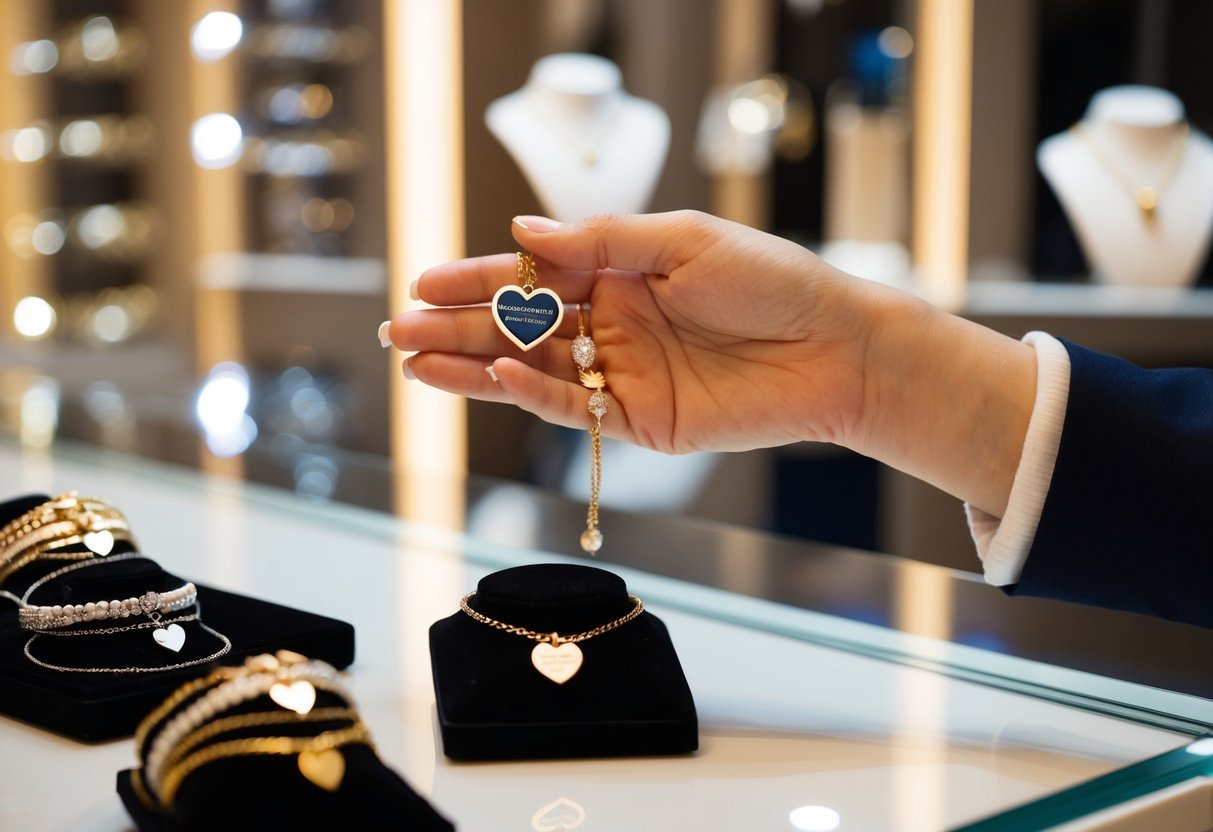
[414, 291]
[489, 370]
[408, 370]
[384, 340]
[539, 225]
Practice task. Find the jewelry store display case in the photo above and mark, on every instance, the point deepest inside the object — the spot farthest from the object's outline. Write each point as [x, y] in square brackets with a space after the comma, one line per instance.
[832, 686]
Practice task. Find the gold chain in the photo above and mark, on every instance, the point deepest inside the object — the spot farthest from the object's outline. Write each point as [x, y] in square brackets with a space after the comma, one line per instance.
[554, 638]
[527, 276]
[584, 352]
[1144, 196]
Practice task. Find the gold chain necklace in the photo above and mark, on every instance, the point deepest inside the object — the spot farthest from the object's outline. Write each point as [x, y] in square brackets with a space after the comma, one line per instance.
[1144, 196]
[555, 656]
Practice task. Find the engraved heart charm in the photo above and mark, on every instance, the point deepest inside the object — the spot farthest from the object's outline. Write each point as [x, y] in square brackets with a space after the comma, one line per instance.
[171, 637]
[325, 768]
[527, 319]
[557, 663]
[101, 543]
[298, 696]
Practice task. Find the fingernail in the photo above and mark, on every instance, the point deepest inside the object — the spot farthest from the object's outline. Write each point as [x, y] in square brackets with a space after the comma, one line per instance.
[408, 370]
[539, 225]
[384, 340]
[489, 370]
[414, 291]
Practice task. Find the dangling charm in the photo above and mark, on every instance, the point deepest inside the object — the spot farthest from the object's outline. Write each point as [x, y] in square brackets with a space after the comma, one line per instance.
[584, 352]
[526, 315]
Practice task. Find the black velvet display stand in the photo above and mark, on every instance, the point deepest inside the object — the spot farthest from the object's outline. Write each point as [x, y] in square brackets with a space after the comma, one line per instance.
[630, 697]
[101, 706]
[268, 792]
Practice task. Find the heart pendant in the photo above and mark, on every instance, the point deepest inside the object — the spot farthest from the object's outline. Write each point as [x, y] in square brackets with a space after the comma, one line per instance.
[527, 320]
[101, 543]
[171, 637]
[325, 768]
[557, 663]
[298, 696]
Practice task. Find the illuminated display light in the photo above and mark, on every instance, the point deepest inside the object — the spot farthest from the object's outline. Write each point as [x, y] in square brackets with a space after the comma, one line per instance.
[33, 318]
[216, 35]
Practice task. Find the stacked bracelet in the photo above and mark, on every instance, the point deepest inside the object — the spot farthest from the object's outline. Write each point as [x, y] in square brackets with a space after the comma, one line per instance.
[53, 617]
[68, 520]
[291, 685]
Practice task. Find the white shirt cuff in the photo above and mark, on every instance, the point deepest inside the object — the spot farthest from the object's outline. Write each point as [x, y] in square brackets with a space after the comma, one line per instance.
[1003, 544]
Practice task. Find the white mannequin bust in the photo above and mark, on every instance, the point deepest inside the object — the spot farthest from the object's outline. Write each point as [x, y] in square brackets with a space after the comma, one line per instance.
[584, 145]
[1137, 186]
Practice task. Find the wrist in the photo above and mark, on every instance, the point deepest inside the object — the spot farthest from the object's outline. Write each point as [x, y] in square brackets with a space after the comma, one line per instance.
[945, 400]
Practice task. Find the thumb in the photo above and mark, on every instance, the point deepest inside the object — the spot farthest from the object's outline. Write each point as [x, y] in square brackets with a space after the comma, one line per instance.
[648, 243]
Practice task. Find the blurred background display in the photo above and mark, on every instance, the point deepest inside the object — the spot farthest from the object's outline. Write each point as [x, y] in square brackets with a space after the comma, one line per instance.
[208, 206]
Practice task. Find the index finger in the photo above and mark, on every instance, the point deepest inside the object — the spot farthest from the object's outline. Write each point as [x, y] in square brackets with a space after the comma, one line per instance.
[476, 280]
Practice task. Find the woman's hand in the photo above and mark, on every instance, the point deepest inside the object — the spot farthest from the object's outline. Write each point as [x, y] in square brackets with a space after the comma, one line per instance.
[711, 335]
[714, 336]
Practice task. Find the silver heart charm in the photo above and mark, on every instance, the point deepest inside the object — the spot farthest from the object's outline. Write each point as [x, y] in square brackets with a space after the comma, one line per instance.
[101, 543]
[298, 696]
[557, 663]
[171, 637]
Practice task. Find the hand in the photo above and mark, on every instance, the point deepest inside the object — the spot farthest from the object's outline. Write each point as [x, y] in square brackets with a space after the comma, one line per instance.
[711, 335]
[714, 336]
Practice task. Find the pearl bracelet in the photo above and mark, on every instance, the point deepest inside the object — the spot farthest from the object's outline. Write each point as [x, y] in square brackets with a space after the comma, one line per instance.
[298, 684]
[52, 617]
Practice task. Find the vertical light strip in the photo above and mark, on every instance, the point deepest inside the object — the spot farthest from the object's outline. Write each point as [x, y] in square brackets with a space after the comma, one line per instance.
[23, 186]
[423, 56]
[943, 85]
[744, 45]
[218, 219]
[423, 51]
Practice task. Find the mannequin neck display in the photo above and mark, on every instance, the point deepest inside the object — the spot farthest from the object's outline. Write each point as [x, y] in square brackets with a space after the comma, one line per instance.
[584, 145]
[1137, 186]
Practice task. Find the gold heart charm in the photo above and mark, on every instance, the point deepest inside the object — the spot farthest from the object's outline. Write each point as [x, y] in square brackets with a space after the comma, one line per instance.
[298, 696]
[101, 543]
[171, 637]
[557, 663]
[324, 768]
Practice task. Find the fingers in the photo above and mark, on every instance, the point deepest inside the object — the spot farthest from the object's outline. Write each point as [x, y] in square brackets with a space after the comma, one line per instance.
[476, 279]
[460, 374]
[562, 403]
[468, 331]
[647, 243]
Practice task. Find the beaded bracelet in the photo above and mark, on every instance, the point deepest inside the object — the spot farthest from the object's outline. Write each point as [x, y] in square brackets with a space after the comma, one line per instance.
[291, 686]
[159, 627]
[53, 617]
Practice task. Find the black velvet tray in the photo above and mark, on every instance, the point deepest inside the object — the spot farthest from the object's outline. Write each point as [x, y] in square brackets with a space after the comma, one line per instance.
[268, 791]
[103, 706]
[630, 697]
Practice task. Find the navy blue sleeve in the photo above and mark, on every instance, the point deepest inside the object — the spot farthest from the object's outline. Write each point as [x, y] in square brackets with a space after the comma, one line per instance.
[1127, 520]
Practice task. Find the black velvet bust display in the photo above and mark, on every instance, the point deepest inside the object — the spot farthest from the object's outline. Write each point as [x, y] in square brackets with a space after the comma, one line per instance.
[102, 706]
[269, 792]
[630, 697]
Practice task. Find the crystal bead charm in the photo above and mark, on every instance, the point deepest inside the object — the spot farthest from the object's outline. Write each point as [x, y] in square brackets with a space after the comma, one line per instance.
[598, 404]
[584, 351]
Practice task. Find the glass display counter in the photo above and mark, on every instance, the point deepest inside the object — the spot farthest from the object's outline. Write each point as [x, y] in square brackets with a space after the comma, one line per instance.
[835, 689]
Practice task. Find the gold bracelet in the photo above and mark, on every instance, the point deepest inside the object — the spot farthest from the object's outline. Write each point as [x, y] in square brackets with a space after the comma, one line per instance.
[320, 760]
[555, 656]
[258, 663]
[67, 520]
[259, 719]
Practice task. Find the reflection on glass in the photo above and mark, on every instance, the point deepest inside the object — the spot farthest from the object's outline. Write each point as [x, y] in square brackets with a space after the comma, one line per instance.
[814, 819]
[39, 413]
[559, 815]
[221, 410]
